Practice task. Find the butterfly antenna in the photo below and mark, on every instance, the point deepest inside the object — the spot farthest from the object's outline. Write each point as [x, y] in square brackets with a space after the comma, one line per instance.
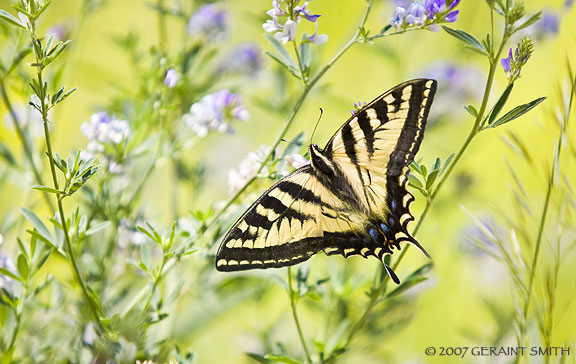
[289, 142]
[315, 126]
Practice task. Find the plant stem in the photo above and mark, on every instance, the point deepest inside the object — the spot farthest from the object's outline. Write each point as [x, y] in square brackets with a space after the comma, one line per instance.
[25, 144]
[293, 297]
[94, 308]
[157, 279]
[555, 165]
[161, 25]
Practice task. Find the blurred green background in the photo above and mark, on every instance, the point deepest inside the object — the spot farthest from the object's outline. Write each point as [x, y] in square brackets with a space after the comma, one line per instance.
[453, 307]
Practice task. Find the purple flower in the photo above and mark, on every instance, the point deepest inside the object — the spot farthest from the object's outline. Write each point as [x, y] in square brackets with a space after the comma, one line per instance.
[357, 107]
[434, 7]
[317, 38]
[302, 11]
[244, 59]
[507, 62]
[416, 14]
[210, 21]
[103, 130]
[171, 78]
[548, 25]
[457, 84]
[397, 19]
[568, 4]
[214, 112]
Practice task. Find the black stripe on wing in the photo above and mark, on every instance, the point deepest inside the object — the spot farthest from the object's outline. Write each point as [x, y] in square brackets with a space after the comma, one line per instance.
[268, 257]
[412, 133]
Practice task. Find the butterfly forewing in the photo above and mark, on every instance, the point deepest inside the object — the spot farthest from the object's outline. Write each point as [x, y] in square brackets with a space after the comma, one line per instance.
[352, 200]
[281, 228]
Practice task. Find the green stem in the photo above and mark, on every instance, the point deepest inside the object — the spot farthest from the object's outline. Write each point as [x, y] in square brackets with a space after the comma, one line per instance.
[550, 186]
[300, 67]
[25, 144]
[157, 279]
[293, 298]
[72, 257]
[161, 25]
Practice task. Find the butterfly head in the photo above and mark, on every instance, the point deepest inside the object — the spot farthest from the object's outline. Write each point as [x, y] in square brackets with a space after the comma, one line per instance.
[320, 161]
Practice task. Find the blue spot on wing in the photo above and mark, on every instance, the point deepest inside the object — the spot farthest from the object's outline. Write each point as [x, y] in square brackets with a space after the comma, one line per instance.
[384, 227]
[393, 203]
[373, 233]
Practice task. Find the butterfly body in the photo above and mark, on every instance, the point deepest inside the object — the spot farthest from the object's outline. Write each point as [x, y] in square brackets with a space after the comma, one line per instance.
[350, 200]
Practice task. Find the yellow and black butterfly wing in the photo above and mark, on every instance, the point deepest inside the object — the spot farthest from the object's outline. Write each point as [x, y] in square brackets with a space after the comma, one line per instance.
[373, 149]
[296, 218]
[281, 228]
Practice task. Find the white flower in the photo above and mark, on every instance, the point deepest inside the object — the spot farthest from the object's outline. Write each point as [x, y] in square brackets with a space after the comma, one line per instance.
[6, 263]
[171, 78]
[248, 168]
[128, 234]
[288, 32]
[296, 160]
[103, 129]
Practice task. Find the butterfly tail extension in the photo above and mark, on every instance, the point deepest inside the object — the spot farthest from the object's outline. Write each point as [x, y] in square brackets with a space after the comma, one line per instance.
[391, 273]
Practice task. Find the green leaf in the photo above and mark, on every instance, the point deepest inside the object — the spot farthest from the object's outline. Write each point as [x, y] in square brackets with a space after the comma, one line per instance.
[281, 359]
[414, 181]
[517, 112]
[11, 19]
[7, 155]
[145, 254]
[533, 19]
[48, 45]
[437, 164]
[284, 55]
[259, 358]
[305, 56]
[22, 265]
[95, 228]
[6, 272]
[431, 178]
[467, 38]
[416, 166]
[47, 189]
[447, 162]
[292, 69]
[499, 104]
[471, 110]
[37, 223]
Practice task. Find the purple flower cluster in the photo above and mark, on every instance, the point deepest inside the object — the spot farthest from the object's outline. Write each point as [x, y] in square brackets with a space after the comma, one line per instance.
[214, 112]
[513, 64]
[106, 134]
[244, 59]
[424, 13]
[210, 21]
[357, 107]
[286, 15]
[457, 84]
